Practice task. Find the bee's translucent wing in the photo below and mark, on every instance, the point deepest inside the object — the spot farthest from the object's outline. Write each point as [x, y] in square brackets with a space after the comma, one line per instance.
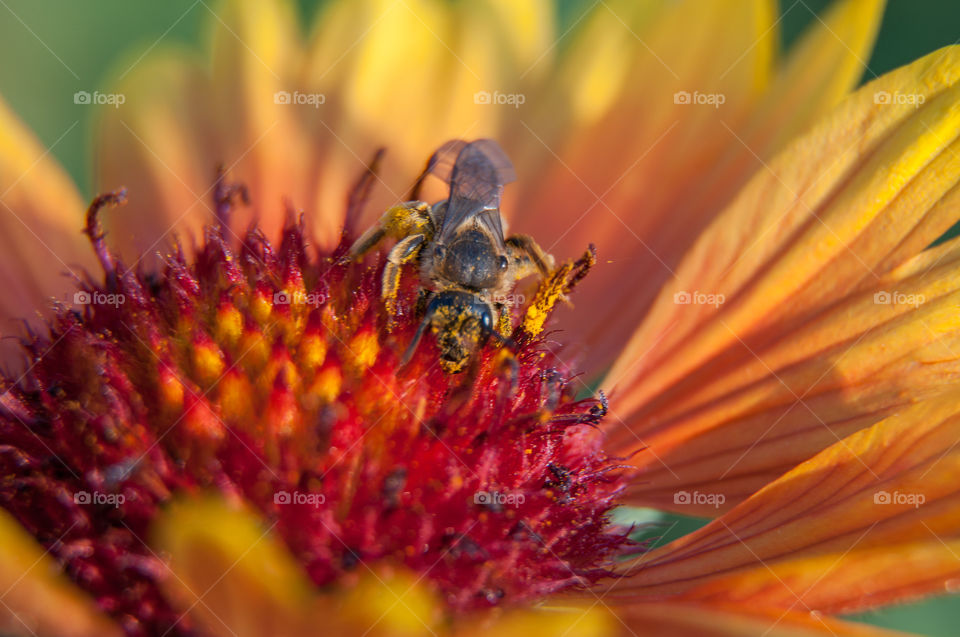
[441, 162]
[476, 177]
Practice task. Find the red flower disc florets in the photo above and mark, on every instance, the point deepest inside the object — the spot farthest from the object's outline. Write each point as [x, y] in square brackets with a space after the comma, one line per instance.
[269, 375]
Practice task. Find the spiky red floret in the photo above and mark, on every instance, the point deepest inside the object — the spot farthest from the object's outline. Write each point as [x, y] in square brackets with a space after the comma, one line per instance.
[263, 373]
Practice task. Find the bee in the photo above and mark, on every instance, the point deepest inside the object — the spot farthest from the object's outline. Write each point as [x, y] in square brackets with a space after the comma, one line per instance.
[467, 268]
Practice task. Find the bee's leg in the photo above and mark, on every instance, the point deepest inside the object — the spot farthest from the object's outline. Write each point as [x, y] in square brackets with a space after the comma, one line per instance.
[504, 327]
[508, 367]
[371, 237]
[528, 257]
[404, 252]
[411, 217]
[554, 288]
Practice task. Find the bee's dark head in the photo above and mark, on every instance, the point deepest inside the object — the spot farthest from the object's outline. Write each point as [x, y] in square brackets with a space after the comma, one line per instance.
[462, 322]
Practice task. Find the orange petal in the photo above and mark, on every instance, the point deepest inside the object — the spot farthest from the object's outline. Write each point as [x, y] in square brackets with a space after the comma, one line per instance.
[250, 113]
[593, 617]
[845, 582]
[791, 335]
[36, 600]
[645, 201]
[820, 70]
[637, 148]
[264, 112]
[690, 620]
[160, 144]
[818, 537]
[383, 61]
[41, 245]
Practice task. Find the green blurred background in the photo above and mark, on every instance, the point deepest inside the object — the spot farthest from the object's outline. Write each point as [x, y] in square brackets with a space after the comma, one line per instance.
[52, 48]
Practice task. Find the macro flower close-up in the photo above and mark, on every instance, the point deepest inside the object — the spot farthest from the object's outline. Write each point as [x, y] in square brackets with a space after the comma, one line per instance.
[436, 317]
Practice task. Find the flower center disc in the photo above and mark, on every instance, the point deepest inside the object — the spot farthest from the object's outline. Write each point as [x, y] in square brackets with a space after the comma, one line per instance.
[268, 374]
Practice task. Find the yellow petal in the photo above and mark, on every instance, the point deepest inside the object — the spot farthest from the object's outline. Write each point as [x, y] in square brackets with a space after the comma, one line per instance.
[42, 216]
[550, 620]
[233, 576]
[820, 70]
[37, 599]
[228, 572]
[785, 281]
[817, 537]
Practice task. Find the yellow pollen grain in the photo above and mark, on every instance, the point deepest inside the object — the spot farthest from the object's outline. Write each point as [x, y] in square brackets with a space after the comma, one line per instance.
[235, 398]
[283, 417]
[312, 352]
[260, 307]
[229, 325]
[207, 363]
[254, 350]
[365, 348]
[203, 423]
[456, 481]
[326, 386]
[171, 391]
[279, 367]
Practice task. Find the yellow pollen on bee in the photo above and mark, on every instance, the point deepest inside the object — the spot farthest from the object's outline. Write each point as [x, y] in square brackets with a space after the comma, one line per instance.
[548, 294]
[399, 222]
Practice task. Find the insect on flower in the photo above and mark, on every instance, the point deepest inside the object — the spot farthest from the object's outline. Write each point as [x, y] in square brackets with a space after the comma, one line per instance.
[467, 267]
